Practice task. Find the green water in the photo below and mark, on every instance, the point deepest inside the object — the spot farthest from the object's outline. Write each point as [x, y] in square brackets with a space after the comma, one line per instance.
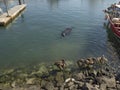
[34, 36]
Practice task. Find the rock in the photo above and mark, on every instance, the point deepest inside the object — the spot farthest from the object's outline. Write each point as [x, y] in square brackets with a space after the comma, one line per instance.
[49, 86]
[103, 86]
[112, 89]
[101, 60]
[104, 72]
[118, 86]
[8, 71]
[110, 82]
[69, 62]
[42, 70]
[117, 82]
[80, 84]
[1, 86]
[70, 84]
[79, 76]
[23, 75]
[56, 88]
[118, 77]
[92, 73]
[13, 84]
[60, 64]
[43, 83]
[33, 87]
[72, 87]
[65, 89]
[88, 86]
[59, 78]
[80, 63]
[30, 81]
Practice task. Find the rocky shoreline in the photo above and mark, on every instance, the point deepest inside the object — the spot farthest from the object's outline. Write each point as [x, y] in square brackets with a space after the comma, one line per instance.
[85, 74]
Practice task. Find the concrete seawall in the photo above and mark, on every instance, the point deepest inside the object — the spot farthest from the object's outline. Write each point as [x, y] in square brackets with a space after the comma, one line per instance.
[13, 13]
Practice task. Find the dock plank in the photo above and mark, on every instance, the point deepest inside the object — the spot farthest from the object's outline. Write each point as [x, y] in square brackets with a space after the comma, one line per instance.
[13, 12]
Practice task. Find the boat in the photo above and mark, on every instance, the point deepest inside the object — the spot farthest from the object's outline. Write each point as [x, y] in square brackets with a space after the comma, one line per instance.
[112, 15]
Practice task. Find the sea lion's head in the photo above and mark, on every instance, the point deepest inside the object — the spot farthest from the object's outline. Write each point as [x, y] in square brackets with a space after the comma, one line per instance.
[63, 34]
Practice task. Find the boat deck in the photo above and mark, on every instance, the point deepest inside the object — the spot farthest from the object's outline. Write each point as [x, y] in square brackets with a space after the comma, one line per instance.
[13, 13]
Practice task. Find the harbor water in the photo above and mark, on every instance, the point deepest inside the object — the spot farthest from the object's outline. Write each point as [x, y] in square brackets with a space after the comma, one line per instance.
[35, 35]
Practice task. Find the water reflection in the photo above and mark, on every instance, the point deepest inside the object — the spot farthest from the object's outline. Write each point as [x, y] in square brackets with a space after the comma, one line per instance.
[10, 3]
[32, 38]
[93, 4]
[53, 3]
[115, 42]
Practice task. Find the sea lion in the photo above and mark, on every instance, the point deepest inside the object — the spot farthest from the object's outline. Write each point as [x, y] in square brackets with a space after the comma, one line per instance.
[67, 31]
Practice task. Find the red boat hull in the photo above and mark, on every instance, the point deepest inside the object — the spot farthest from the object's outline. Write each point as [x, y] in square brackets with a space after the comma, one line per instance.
[116, 30]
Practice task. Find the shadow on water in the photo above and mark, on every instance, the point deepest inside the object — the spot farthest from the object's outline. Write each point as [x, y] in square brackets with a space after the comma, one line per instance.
[115, 41]
[22, 18]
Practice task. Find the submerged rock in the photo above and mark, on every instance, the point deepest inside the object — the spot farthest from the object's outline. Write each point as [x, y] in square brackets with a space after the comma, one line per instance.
[59, 78]
[30, 81]
[92, 74]
[60, 64]
[42, 70]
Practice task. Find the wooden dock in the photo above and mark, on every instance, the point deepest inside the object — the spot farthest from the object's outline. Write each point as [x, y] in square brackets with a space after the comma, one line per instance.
[13, 13]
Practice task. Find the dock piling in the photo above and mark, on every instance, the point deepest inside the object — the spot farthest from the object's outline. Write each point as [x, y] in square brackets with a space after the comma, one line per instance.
[19, 2]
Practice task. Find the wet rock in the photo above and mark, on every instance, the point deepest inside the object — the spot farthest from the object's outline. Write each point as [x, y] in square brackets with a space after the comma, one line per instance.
[1, 86]
[101, 60]
[43, 83]
[23, 75]
[42, 70]
[80, 84]
[69, 63]
[56, 88]
[33, 87]
[8, 71]
[69, 84]
[30, 81]
[72, 87]
[70, 80]
[59, 78]
[60, 64]
[92, 73]
[104, 72]
[65, 89]
[13, 84]
[118, 77]
[49, 86]
[79, 76]
[118, 86]
[18, 88]
[110, 82]
[88, 86]
[103, 86]
[80, 63]
[5, 86]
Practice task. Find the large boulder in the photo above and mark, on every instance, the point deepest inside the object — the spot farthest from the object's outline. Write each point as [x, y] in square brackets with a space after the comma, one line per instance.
[110, 82]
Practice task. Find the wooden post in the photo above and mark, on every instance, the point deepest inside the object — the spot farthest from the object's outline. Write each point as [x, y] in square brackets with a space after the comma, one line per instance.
[19, 2]
[6, 8]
